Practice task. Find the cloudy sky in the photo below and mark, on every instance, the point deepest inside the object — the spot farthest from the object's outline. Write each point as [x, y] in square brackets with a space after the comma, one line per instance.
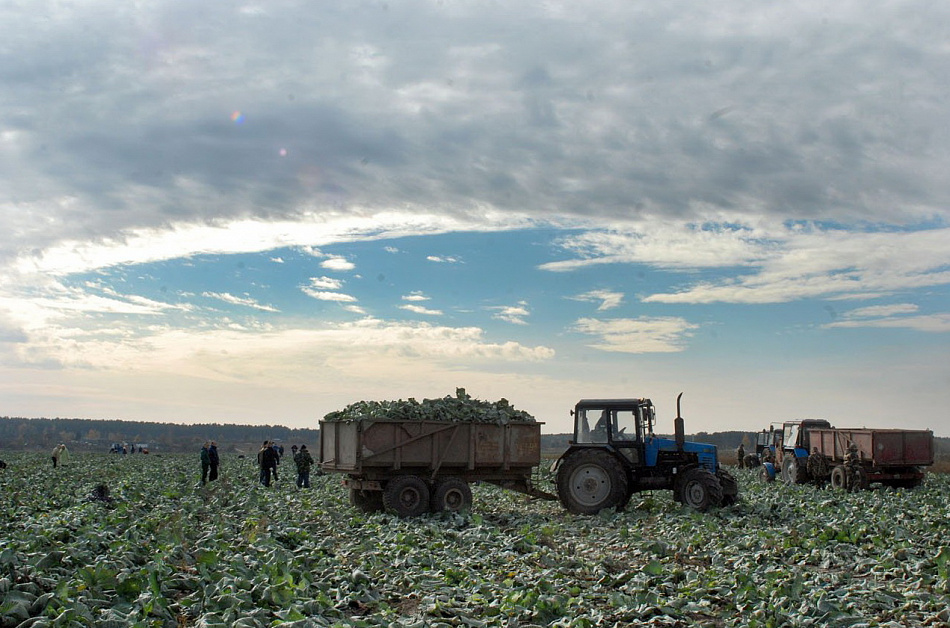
[259, 213]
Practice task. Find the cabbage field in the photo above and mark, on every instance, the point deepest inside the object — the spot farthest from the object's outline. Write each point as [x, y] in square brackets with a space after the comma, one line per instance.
[164, 551]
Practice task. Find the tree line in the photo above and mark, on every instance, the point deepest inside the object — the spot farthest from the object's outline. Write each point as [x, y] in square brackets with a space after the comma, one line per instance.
[100, 435]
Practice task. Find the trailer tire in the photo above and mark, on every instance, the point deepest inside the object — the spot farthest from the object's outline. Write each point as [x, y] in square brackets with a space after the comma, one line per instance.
[366, 501]
[407, 496]
[767, 472]
[590, 480]
[451, 495]
[699, 489]
[861, 480]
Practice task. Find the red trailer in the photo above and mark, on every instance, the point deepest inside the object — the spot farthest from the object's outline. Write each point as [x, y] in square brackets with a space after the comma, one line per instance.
[893, 457]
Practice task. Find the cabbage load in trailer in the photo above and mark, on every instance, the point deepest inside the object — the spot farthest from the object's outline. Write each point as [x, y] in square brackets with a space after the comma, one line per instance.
[460, 408]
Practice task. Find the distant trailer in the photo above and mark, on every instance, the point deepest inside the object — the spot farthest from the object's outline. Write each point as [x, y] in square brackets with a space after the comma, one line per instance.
[893, 457]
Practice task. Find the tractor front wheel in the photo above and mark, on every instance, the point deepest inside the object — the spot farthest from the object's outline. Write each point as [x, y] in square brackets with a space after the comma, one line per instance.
[590, 480]
[699, 489]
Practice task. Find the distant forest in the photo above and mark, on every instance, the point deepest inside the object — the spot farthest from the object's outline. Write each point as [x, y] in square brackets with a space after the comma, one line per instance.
[99, 435]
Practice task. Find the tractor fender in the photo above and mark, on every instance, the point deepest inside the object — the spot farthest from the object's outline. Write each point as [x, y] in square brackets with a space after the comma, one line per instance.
[770, 469]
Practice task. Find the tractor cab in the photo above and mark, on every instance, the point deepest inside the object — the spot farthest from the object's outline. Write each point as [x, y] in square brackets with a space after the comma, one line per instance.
[623, 424]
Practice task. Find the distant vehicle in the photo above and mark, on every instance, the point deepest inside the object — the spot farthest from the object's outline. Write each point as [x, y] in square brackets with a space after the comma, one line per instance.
[812, 450]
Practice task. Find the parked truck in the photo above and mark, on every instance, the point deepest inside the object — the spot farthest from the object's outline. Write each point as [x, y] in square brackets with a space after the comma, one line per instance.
[411, 467]
[813, 450]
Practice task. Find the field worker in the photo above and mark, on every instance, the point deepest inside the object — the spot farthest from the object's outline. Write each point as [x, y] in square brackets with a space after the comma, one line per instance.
[304, 461]
[215, 461]
[63, 455]
[57, 450]
[267, 458]
[740, 455]
[277, 453]
[205, 462]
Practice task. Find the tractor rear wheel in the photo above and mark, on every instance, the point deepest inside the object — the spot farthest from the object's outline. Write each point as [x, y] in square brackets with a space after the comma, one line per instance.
[451, 495]
[699, 489]
[590, 480]
[407, 496]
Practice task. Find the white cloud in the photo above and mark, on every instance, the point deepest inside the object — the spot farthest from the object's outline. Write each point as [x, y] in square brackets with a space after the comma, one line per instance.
[875, 311]
[443, 259]
[325, 283]
[608, 299]
[638, 335]
[767, 262]
[336, 262]
[277, 260]
[142, 245]
[514, 314]
[418, 309]
[415, 296]
[932, 323]
[235, 300]
[323, 295]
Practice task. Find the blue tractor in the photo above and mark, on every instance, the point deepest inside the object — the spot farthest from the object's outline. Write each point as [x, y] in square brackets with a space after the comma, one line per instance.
[614, 454]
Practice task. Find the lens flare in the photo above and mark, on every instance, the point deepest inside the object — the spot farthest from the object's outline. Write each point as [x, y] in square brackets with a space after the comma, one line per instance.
[237, 117]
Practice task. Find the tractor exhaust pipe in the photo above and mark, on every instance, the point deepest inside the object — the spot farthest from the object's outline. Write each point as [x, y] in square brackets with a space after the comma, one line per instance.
[678, 425]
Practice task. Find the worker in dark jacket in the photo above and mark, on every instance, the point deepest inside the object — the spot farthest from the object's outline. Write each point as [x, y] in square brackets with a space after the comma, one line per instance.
[215, 461]
[267, 459]
[304, 461]
[205, 462]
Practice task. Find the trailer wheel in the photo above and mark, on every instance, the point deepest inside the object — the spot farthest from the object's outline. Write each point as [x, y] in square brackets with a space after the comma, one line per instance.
[452, 495]
[407, 496]
[861, 480]
[699, 489]
[767, 473]
[366, 501]
[590, 480]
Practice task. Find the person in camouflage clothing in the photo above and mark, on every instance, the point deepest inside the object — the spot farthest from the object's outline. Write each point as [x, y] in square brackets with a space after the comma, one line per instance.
[304, 461]
[852, 465]
[818, 468]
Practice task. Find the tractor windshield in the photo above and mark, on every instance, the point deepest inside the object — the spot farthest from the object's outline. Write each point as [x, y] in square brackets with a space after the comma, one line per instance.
[600, 425]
